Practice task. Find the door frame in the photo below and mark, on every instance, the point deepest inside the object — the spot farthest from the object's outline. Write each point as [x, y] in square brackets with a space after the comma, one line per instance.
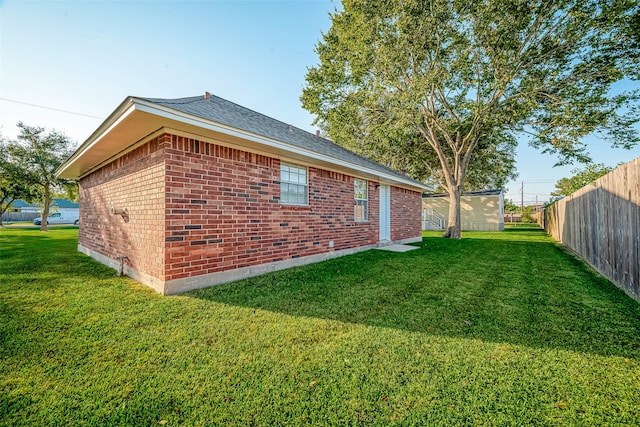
[385, 213]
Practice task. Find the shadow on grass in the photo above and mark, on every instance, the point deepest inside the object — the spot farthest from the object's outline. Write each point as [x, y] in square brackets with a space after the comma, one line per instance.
[516, 287]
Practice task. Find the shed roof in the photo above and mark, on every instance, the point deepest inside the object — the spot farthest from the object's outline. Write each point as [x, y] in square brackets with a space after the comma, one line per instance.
[138, 117]
[468, 193]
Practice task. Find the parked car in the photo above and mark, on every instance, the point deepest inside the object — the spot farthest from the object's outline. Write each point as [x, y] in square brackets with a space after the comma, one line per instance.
[59, 218]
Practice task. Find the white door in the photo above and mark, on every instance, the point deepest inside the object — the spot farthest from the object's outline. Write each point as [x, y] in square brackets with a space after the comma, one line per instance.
[385, 212]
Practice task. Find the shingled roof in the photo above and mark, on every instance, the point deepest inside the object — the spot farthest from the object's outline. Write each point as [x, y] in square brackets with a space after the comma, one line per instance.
[59, 203]
[220, 110]
[468, 193]
[136, 119]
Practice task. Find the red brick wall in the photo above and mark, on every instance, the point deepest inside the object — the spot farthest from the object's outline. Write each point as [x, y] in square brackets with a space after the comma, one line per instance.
[197, 208]
[223, 211]
[136, 182]
[406, 207]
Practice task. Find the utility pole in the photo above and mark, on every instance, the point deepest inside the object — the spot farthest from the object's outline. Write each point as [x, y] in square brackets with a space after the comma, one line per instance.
[522, 198]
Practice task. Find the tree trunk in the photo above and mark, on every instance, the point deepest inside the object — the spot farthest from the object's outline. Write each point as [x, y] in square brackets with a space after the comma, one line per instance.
[45, 208]
[454, 222]
[3, 210]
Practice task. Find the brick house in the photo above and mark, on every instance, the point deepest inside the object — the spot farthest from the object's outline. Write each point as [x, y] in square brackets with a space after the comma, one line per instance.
[186, 193]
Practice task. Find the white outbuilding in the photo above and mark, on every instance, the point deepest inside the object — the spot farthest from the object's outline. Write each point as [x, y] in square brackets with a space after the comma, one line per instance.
[479, 210]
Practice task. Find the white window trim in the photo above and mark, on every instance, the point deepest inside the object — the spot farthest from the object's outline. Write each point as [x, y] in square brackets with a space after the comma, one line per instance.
[366, 200]
[306, 184]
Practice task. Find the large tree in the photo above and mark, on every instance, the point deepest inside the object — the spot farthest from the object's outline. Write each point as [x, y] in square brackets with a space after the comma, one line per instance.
[32, 160]
[10, 191]
[580, 178]
[446, 85]
[10, 188]
[510, 207]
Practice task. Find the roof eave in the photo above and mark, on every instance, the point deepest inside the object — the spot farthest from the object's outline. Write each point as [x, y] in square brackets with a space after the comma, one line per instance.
[170, 113]
[109, 123]
[132, 104]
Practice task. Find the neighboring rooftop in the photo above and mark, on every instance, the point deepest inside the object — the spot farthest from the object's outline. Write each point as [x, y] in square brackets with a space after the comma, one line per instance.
[59, 203]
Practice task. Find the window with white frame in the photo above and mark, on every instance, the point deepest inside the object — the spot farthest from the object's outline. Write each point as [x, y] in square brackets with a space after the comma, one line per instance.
[294, 188]
[361, 200]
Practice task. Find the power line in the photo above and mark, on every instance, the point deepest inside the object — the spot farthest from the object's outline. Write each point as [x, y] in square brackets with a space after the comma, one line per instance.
[526, 194]
[52, 109]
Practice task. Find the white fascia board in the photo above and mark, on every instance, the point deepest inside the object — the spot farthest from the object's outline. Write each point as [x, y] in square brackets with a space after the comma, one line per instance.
[169, 113]
[122, 112]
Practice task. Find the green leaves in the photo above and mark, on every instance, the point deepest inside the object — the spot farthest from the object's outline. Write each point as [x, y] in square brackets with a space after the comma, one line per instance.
[442, 88]
[32, 160]
[581, 177]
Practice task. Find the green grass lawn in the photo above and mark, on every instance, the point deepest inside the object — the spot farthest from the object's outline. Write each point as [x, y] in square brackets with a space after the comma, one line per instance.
[493, 329]
[521, 225]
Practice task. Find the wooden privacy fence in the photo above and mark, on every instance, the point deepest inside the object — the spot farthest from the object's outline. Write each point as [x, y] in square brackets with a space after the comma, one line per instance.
[19, 216]
[601, 224]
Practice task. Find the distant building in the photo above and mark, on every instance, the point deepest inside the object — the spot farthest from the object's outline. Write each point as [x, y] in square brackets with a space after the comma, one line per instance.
[479, 210]
[57, 205]
[512, 217]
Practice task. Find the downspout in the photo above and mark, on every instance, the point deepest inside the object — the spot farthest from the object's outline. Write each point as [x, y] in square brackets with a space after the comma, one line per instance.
[121, 258]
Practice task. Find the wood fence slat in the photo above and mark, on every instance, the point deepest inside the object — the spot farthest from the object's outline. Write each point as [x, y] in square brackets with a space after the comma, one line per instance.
[601, 224]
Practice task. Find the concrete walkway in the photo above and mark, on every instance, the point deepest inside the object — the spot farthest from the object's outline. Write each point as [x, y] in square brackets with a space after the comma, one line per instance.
[398, 248]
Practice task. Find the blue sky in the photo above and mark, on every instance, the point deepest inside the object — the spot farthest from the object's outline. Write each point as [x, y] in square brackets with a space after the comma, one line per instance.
[87, 56]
